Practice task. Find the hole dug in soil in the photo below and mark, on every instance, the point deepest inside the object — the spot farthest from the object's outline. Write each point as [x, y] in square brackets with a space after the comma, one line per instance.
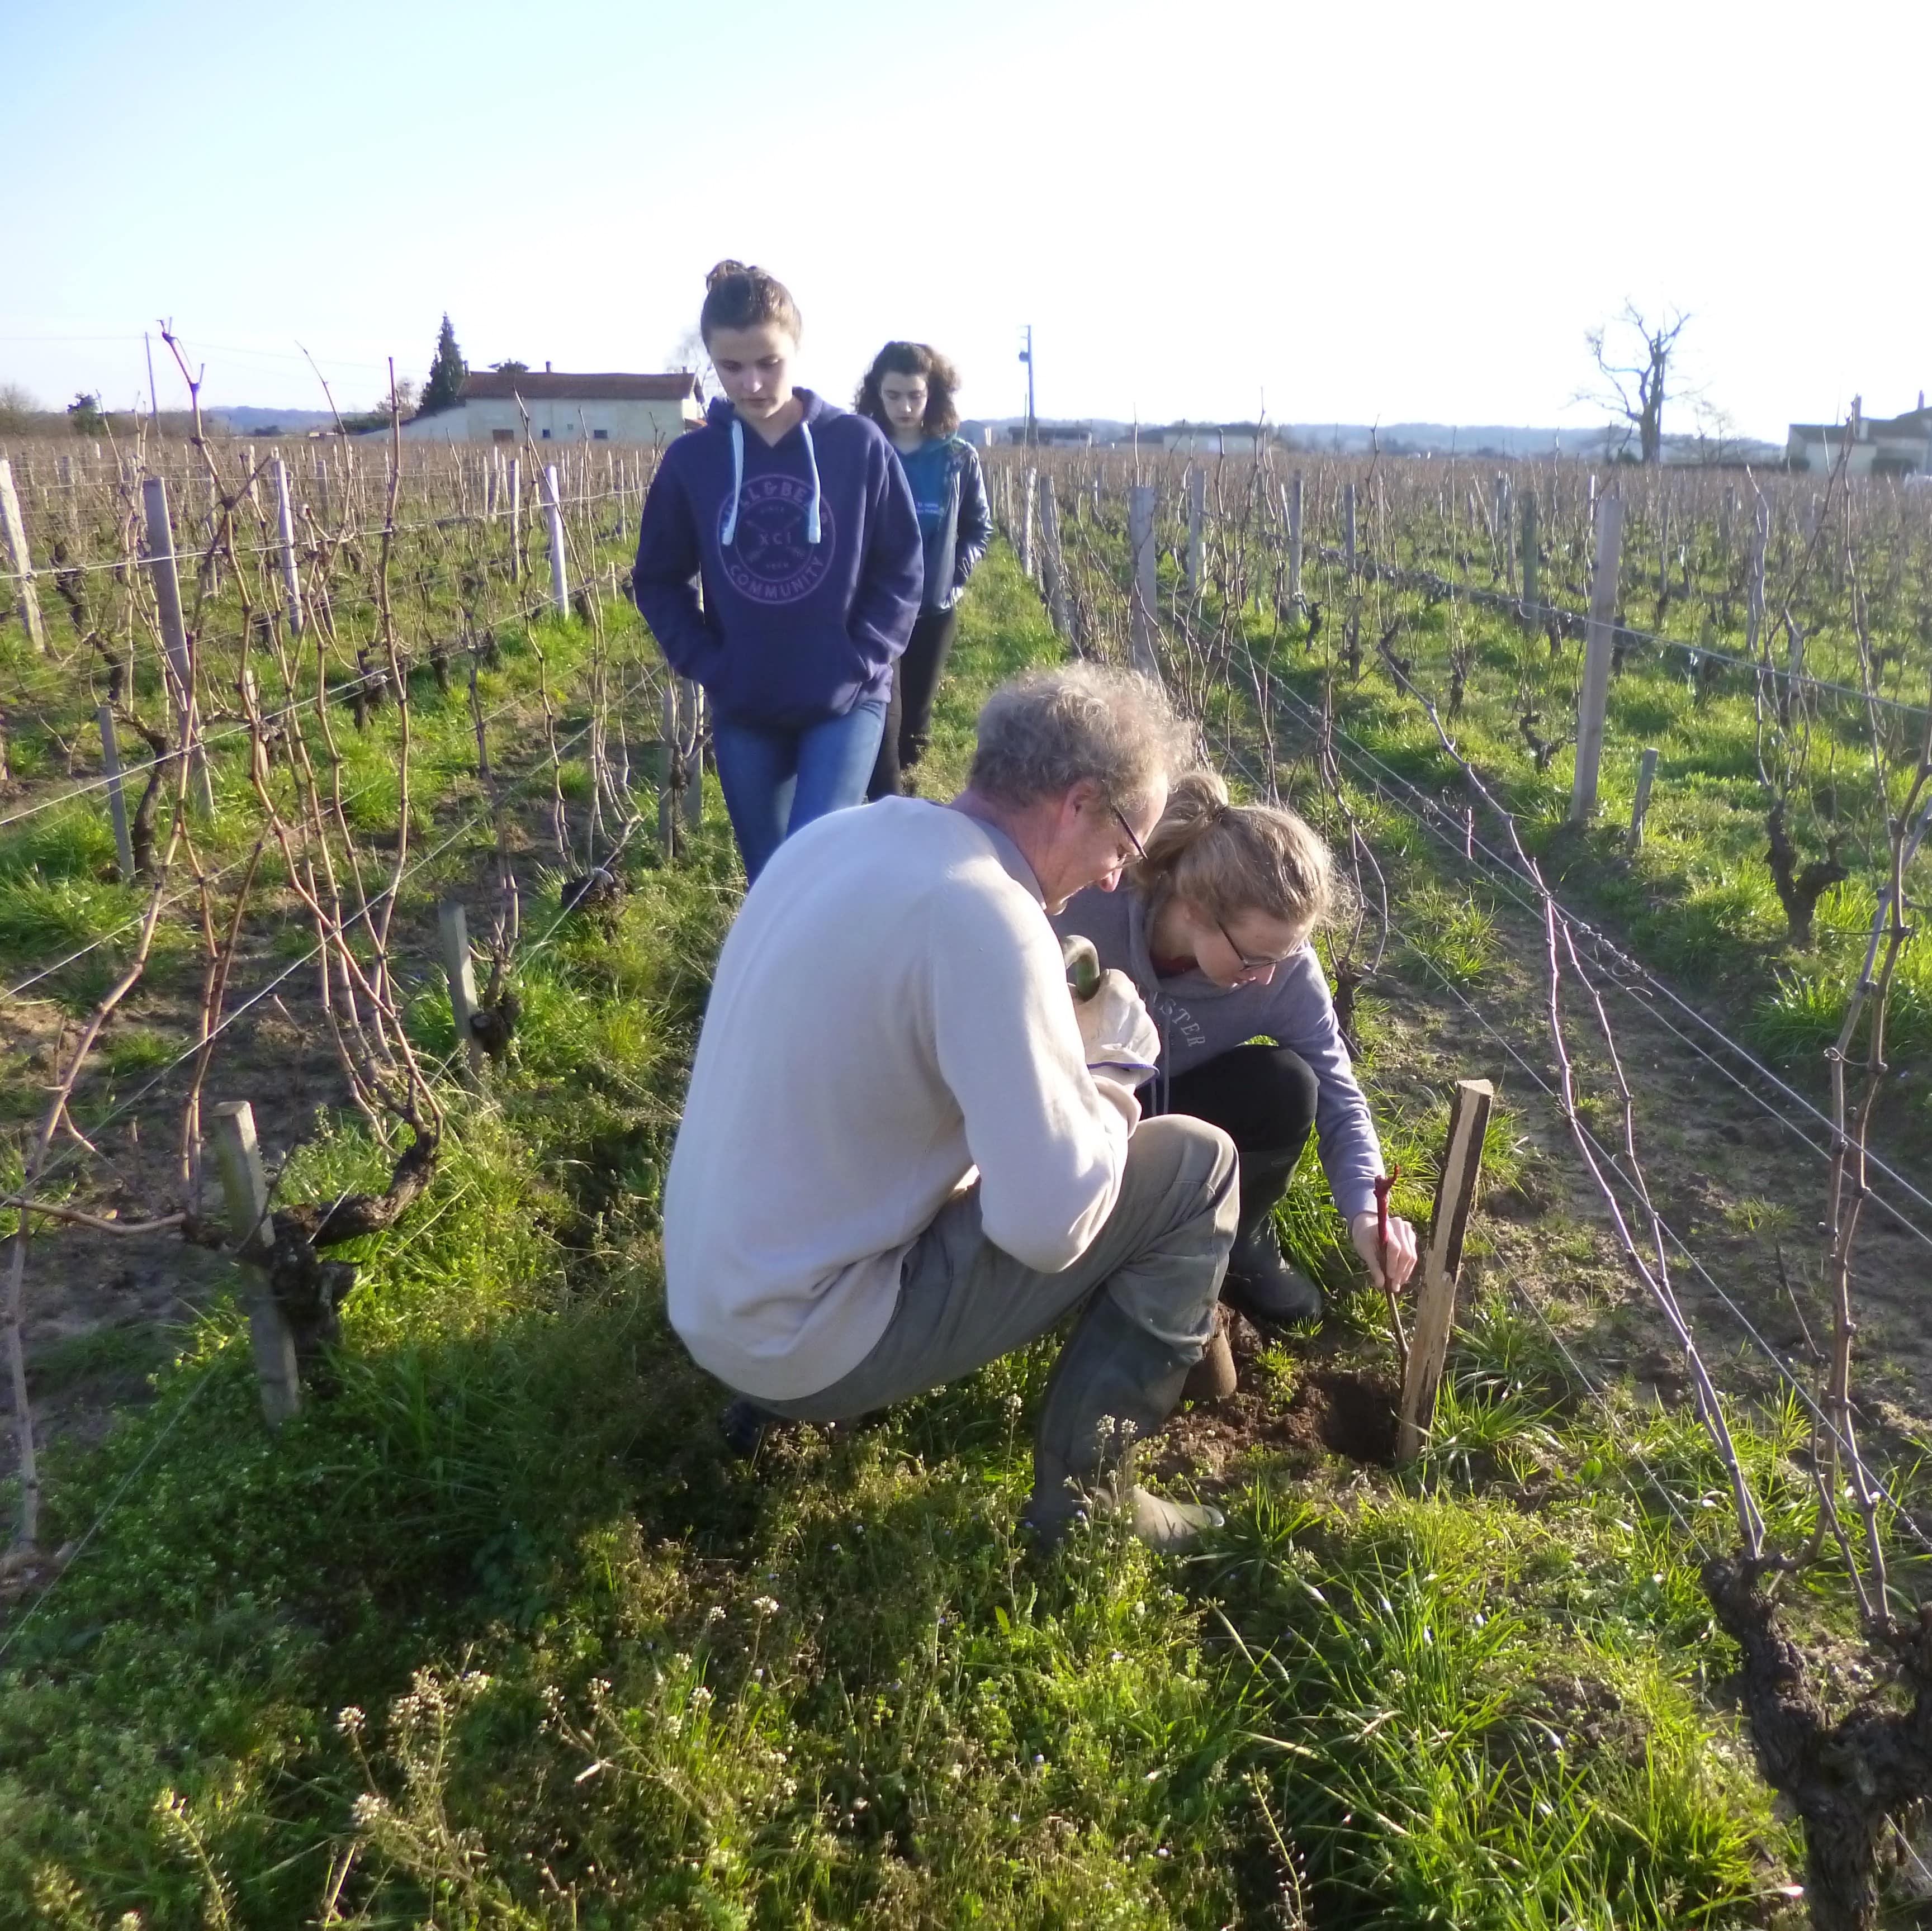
[1349, 1413]
[1334, 1409]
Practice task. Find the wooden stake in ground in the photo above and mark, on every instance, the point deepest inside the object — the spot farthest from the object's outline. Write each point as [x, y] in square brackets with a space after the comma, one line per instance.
[1295, 495]
[452, 924]
[285, 532]
[1435, 1310]
[669, 776]
[245, 1188]
[15, 533]
[1197, 517]
[160, 554]
[1145, 597]
[692, 754]
[1599, 640]
[117, 804]
[1646, 771]
[1053, 559]
[1531, 615]
[559, 578]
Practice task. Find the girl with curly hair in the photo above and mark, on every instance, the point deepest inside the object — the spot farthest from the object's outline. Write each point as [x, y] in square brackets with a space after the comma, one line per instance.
[908, 392]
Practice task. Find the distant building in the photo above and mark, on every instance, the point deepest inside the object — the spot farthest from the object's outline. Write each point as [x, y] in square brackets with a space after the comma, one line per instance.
[565, 408]
[1045, 435]
[1213, 439]
[1899, 445]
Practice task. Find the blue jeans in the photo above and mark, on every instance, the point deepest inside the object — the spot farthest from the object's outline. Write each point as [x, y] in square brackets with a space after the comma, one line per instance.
[775, 781]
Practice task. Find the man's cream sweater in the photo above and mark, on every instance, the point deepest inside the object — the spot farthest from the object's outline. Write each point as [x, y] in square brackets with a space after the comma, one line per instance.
[890, 1013]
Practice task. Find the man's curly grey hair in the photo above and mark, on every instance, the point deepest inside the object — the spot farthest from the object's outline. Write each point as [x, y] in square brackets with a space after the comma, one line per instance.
[1042, 733]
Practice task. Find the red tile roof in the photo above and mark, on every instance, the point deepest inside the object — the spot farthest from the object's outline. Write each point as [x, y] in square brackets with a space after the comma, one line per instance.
[537, 385]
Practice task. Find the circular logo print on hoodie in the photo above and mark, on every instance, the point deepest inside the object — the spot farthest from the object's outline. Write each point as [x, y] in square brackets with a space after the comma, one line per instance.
[768, 560]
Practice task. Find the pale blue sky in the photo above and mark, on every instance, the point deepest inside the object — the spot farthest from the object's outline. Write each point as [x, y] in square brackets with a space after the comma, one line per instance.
[1392, 212]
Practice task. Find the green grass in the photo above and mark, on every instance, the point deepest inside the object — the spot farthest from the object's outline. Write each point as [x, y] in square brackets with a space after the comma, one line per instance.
[1453, 932]
[496, 1635]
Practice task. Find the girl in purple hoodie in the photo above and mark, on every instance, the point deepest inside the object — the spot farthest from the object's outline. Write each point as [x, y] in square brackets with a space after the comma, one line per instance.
[795, 519]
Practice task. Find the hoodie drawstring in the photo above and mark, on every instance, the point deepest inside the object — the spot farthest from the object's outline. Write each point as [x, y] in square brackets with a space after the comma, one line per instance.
[730, 528]
[812, 463]
[812, 530]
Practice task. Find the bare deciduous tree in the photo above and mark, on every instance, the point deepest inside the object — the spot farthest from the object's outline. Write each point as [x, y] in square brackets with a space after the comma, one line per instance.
[1633, 355]
[18, 409]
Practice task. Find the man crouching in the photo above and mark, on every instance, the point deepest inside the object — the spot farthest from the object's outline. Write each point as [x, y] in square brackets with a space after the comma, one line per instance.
[906, 1151]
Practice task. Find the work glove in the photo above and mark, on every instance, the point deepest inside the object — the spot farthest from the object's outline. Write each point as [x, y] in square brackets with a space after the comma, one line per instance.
[1122, 1041]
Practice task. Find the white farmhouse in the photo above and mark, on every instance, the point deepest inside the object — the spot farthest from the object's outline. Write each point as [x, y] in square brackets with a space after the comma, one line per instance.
[565, 408]
[1899, 445]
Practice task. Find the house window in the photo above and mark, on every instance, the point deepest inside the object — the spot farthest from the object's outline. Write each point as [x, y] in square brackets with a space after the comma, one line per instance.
[502, 435]
[546, 435]
[600, 436]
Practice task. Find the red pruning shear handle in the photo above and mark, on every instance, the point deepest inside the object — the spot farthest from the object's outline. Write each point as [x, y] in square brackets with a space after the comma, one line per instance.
[1383, 1182]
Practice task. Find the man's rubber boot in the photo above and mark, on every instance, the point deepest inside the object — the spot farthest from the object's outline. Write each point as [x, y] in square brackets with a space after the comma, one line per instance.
[1213, 1378]
[744, 1426]
[1260, 1284]
[1113, 1386]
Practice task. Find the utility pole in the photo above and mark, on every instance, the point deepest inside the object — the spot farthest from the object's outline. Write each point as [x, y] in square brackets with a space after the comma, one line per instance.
[1026, 356]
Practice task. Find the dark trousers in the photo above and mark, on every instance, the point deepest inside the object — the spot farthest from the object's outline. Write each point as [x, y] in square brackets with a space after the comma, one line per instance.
[1261, 1097]
[915, 684]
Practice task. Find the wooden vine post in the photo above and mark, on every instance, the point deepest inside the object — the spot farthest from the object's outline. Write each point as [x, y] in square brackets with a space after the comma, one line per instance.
[559, 578]
[691, 754]
[117, 803]
[245, 1188]
[1646, 772]
[1145, 597]
[452, 926]
[1295, 496]
[1053, 562]
[516, 519]
[174, 632]
[285, 538]
[668, 774]
[1531, 612]
[1441, 1260]
[15, 533]
[1197, 517]
[1599, 643]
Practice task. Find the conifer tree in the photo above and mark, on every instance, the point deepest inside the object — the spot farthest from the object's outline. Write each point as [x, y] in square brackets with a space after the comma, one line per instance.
[445, 387]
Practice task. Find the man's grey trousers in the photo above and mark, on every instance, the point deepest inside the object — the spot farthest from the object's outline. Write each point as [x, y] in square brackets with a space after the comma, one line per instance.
[964, 1301]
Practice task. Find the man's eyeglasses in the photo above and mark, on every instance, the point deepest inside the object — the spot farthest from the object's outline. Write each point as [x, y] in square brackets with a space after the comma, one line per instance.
[1246, 964]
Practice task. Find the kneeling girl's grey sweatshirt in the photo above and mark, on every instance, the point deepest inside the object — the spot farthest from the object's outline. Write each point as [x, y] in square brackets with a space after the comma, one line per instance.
[1199, 1020]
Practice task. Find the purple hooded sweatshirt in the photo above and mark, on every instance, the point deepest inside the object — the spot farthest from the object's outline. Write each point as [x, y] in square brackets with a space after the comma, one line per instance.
[809, 552]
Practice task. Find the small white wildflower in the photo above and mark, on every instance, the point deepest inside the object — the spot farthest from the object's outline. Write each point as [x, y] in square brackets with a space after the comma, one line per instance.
[715, 1613]
[348, 1720]
[766, 1605]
